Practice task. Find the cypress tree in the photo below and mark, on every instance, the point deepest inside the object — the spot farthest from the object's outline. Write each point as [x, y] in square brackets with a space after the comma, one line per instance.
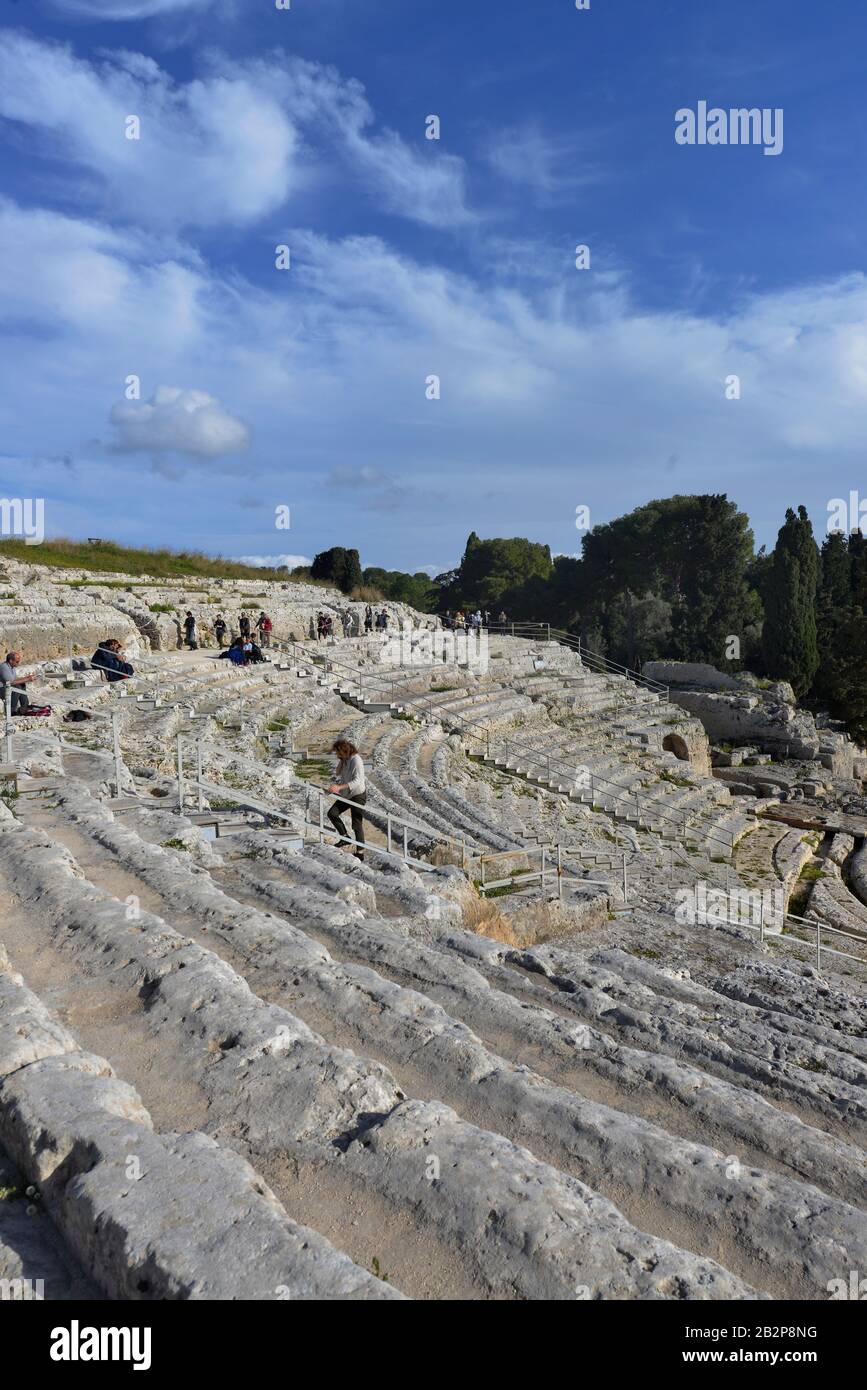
[789, 642]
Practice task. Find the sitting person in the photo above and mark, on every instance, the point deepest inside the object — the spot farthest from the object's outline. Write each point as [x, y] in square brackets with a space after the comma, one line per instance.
[10, 678]
[237, 653]
[256, 653]
[107, 658]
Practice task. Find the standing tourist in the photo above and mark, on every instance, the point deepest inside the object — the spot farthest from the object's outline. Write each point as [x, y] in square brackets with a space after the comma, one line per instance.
[265, 628]
[349, 782]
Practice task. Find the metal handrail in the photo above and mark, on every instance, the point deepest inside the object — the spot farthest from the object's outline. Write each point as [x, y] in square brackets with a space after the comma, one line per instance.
[568, 639]
[596, 780]
[392, 820]
[360, 677]
[529, 756]
[530, 875]
[820, 927]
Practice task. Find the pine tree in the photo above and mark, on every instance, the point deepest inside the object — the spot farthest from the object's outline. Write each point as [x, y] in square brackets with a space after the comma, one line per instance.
[338, 566]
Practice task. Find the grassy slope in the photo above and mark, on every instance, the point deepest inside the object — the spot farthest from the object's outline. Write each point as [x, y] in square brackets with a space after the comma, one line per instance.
[118, 559]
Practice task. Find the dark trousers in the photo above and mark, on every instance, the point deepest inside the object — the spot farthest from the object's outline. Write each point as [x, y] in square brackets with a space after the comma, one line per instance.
[20, 701]
[356, 816]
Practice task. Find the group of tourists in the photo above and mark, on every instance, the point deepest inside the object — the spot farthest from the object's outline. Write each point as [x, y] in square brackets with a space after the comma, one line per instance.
[462, 622]
[243, 651]
[108, 658]
[324, 630]
[263, 625]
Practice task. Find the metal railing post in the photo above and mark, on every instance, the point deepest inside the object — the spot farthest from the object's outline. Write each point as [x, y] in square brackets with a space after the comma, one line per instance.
[542, 875]
[321, 817]
[7, 700]
[180, 772]
[560, 871]
[199, 775]
[625, 887]
[115, 739]
[819, 947]
[406, 842]
[388, 832]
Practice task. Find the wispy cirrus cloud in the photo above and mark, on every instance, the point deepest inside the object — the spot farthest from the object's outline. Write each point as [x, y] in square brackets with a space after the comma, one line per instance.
[228, 147]
[418, 182]
[209, 151]
[551, 165]
[381, 492]
[126, 9]
[332, 381]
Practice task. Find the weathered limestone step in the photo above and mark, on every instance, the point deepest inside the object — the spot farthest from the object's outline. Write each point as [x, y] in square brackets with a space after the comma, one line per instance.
[817, 1157]
[34, 1265]
[499, 1001]
[312, 1103]
[799, 993]
[149, 1216]
[721, 1005]
[834, 1102]
[677, 1177]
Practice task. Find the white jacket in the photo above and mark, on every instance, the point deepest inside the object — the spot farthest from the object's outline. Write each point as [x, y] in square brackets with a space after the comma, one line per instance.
[351, 773]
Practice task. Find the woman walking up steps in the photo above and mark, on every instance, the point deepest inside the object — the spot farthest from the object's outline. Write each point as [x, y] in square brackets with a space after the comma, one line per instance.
[349, 783]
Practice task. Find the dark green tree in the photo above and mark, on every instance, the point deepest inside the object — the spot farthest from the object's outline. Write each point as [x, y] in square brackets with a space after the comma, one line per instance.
[789, 641]
[492, 569]
[640, 628]
[691, 553]
[840, 682]
[418, 590]
[338, 566]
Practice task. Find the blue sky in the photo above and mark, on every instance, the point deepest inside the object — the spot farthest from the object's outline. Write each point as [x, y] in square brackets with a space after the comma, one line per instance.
[411, 258]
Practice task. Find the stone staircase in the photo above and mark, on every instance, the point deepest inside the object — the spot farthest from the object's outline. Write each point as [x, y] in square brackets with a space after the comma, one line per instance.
[347, 1088]
[318, 1059]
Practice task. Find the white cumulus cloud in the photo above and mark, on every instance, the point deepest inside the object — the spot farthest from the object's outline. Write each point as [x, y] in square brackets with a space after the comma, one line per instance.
[191, 423]
[273, 562]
